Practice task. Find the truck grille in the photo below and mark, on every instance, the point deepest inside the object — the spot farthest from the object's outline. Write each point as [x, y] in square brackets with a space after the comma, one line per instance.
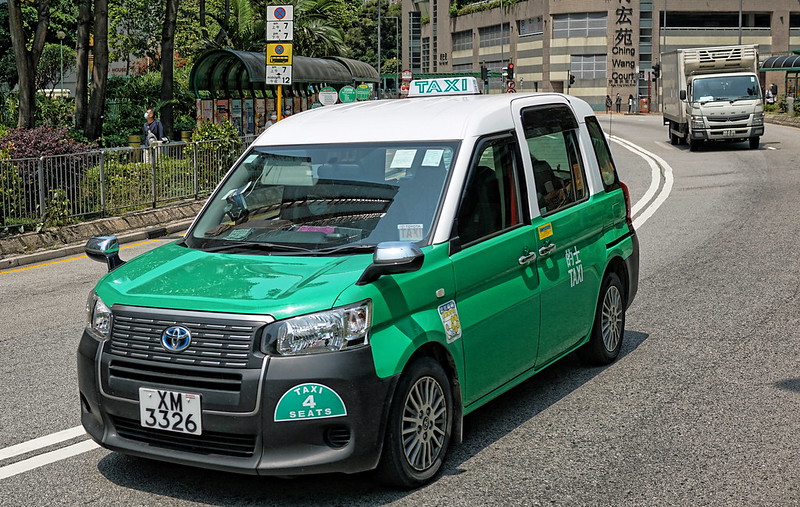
[728, 119]
[217, 340]
[210, 442]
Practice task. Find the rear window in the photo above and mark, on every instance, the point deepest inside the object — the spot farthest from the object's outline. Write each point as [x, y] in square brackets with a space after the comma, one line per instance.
[608, 170]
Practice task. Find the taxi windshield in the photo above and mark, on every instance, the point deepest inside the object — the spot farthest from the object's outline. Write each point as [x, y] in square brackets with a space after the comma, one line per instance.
[326, 199]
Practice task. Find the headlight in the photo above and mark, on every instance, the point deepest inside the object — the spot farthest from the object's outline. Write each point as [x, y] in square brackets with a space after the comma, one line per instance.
[697, 122]
[98, 317]
[758, 119]
[315, 333]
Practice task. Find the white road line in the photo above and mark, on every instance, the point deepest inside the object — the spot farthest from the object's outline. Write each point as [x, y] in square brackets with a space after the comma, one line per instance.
[46, 459]
[665, 190]
[655, 177]
[41, 442]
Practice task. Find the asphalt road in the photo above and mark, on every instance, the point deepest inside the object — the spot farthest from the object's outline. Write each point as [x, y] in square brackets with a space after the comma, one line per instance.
[702, 408]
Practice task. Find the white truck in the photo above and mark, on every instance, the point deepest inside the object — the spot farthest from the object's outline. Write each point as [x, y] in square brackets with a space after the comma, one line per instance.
[712, 94]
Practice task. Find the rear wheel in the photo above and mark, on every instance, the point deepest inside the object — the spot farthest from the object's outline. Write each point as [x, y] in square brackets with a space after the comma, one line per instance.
[419, 426]
[754, 141]
[673, 137]
[609, 323]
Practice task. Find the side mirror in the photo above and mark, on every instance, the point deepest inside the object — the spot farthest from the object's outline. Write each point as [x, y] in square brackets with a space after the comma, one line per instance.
[683, 94]
[390, 258]
[104, 249]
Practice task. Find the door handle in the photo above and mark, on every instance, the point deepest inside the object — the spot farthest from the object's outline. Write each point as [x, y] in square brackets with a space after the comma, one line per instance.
[547, 249]
[526, 258]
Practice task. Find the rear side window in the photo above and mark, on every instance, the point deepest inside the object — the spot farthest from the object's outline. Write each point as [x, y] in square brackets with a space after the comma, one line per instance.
[552, 136]
[604, 159]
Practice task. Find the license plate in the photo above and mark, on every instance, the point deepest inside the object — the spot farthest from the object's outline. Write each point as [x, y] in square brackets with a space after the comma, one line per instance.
[170, 411]
[727, 133]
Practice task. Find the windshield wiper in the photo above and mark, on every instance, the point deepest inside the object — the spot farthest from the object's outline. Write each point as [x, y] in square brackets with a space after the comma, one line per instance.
[272, 247]
[345, 249]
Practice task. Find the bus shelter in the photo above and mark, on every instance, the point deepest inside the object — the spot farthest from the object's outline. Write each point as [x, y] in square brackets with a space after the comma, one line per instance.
[231, 85]
[790, 65]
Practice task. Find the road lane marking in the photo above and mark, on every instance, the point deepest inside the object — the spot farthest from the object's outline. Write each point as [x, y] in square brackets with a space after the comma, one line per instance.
[655, 178]
[666, 189]
[46, 458]
[41, 442]
[72, 258]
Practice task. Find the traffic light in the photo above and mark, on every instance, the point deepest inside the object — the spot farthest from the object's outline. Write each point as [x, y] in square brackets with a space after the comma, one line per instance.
[656, 71]
[510, 71]
[571, 79]
[484, 73]
[505, 72]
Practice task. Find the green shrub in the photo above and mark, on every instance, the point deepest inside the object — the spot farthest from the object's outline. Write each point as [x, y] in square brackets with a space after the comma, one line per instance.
[59, 209]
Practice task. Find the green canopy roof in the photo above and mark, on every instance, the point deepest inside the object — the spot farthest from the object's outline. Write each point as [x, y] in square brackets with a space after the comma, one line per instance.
[230, 70]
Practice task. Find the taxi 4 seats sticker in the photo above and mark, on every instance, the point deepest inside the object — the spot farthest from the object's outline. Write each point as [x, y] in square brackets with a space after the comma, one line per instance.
[309, 401]
[452, 324]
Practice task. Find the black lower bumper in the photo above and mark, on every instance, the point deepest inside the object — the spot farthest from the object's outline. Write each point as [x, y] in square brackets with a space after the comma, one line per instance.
[249, 440]
[632, 267]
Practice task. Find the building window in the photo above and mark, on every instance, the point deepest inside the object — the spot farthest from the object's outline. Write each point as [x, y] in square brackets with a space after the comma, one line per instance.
[426, 54]
[585, 24]
[464, 67]
[414, 31]
[530, 26]
[717, 20]
[588, 66]
[462, 40]
[494, 35]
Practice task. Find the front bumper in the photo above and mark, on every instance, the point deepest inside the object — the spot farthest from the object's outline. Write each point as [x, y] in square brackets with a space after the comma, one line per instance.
[727, 133]
[240, 433]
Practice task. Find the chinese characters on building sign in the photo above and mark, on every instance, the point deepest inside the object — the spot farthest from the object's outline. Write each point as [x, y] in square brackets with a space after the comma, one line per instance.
[623, 53]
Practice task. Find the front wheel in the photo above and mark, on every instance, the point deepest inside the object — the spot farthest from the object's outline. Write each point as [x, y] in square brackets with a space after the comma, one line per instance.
[419, 427]
[754, 141]
[609, 323]
[694, 145]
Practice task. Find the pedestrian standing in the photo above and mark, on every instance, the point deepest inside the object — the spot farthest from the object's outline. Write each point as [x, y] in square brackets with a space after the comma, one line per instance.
[608, 104]
[153, 129]
[273, 118]
[619, 102]
[630, 103]
[774, 89]
[770, 97]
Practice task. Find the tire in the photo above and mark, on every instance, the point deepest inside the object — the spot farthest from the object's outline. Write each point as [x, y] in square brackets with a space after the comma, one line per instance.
[694, 145]
[673, 138]
[609, 324]
[754, 142]
[419, 427]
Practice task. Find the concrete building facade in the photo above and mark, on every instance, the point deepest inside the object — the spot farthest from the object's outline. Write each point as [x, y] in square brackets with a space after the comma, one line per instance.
[608, 46]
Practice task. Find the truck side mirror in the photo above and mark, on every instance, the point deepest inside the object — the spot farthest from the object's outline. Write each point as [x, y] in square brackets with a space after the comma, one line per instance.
[390, 258]
[683, 94]
[104, 249]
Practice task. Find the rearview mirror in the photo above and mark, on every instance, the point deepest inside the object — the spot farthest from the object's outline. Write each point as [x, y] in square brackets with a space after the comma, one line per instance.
[683, 94]
[104, 249]
[390, 258]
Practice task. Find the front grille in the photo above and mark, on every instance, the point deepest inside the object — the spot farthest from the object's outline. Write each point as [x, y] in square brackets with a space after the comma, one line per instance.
[210, 442]
[216, 341]
[728, 119]
[177, 377]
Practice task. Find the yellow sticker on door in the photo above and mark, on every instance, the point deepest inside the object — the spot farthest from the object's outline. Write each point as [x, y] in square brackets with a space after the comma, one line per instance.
[448, 312]
[546, 230]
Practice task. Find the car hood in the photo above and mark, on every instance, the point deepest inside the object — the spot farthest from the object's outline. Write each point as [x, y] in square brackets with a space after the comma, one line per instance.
[180, 278]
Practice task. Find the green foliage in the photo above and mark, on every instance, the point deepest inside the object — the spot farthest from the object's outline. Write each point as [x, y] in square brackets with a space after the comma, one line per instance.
[59, 209]
[12, 188]
[54, 112]
[770, 108]
[214, 157]
[480, 7]
[48, 73]
[361, 35]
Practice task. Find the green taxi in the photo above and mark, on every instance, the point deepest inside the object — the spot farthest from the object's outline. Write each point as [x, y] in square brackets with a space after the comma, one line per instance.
[364, 277]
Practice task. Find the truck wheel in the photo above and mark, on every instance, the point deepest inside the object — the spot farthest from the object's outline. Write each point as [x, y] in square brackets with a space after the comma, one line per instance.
[694, 144]
[609, 324]
[673, 138]
[419, 427]
[754, 142]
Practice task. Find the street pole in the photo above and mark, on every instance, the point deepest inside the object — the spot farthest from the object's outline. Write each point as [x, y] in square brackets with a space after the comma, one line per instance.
[740, 22]
[397, 52]
[60, 34]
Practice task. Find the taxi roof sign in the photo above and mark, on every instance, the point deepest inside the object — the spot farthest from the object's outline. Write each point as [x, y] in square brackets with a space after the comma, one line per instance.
[444, 86]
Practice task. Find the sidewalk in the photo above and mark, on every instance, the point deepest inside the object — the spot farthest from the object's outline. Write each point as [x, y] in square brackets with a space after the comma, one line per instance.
[33, 247]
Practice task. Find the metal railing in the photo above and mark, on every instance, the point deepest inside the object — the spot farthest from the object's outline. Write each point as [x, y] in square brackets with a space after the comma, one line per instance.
[110, 181]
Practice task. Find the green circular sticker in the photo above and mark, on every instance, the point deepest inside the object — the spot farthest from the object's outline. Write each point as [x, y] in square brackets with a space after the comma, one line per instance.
[328, 96]
[309, 401]
[347, 94]
[363, 92]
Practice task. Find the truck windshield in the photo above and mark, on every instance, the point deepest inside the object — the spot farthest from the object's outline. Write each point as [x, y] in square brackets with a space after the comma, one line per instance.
[326, 199]
[728, 88]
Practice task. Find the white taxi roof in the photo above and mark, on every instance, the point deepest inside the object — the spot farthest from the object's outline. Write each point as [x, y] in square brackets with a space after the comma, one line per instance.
[417, 119]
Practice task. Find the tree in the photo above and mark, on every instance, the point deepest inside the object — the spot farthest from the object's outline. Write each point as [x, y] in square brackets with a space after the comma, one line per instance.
[54, 58]
[27, 57]
[168, 64]
[82, 63]
[97, 99]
